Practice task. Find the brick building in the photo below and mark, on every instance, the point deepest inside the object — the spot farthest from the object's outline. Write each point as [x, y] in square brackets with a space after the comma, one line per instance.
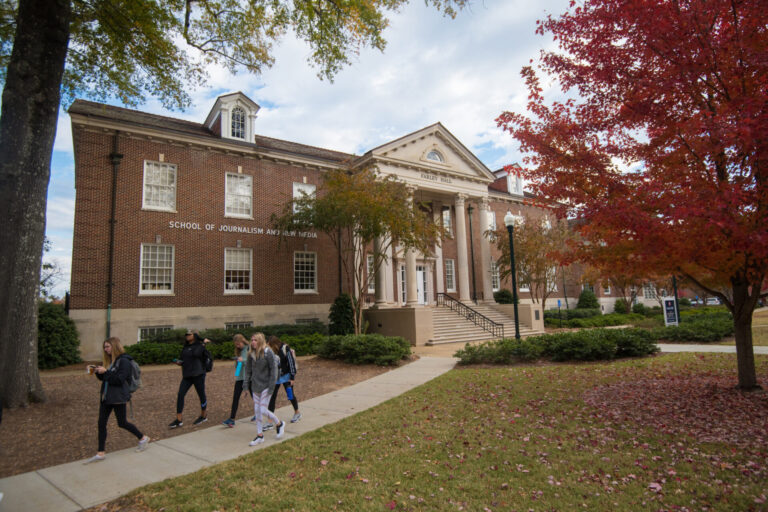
[172, 226]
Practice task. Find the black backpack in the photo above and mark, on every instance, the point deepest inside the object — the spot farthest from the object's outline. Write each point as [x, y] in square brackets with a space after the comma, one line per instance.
[208, 361]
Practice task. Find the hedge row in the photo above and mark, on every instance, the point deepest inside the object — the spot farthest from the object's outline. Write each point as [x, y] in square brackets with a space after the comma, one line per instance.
[225, 335]
[586, 345]
[698, 327]
[594, 321]
[365, 349]
[360, 349]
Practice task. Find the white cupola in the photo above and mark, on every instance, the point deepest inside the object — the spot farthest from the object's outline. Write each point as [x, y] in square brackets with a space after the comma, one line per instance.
[233, 116]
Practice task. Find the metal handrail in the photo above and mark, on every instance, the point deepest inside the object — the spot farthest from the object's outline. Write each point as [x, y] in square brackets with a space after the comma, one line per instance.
[470, 314]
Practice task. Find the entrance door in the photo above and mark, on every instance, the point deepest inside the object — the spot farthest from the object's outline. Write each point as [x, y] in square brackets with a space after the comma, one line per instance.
[421, 284]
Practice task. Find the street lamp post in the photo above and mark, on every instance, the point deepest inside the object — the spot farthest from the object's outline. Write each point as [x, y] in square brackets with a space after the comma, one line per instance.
[472, 255]
[509, 221]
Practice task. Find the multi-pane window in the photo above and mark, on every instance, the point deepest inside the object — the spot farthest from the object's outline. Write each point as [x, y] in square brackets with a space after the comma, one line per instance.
[649, 291]
[304, 272]
[301, 190]
[495, 279]
[156, 269]
[606, 290]
[159, 186]
[146, 333]
[588, 287]
[447, 221]
[239, 195]
[237, 270]
[238, 123]
[371, 274]
[450, 275]
[525, 287]
[435, 156]
[237, 326]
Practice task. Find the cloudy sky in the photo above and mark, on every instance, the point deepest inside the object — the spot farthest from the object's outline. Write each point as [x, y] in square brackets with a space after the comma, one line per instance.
[462, 72]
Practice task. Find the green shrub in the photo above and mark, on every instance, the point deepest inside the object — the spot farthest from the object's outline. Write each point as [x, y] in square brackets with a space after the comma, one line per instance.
[583, 313]
[145, 352]
[684, 301]
[365, 349]
[342, 317]
[638, 308]
[587, 300]
[700, 326]
[219, 335]
[606, 320]
[57, 340]
[621, 306]
[506, 351]
[304, 344]
[503, 296]
[585, 345]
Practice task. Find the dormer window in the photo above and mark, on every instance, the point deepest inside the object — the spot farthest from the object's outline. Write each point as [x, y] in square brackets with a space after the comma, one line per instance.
[435, 156]
[238, 123]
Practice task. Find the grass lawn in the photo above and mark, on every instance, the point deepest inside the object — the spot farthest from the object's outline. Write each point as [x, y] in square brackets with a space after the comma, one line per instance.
[663, 433]
[759, 330]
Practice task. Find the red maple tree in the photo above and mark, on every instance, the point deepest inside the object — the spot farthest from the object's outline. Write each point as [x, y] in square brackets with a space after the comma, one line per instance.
[659, 144]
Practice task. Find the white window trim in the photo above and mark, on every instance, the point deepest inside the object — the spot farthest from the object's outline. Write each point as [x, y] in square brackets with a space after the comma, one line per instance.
[163, 327]
[446, 216]
[232, 122]
[249, 291]
[525, 288]
[495, 277]
[453, 276]
[371, 273]
[144, 206]
[173, 271]
[304, 291]
[226, 197]
[606, 290]
[298, 188]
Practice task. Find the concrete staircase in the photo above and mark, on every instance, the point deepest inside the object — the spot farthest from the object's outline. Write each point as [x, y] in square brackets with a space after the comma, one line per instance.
[450, 327]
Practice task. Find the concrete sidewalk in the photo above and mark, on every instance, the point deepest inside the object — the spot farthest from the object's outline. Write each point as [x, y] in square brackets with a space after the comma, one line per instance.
[74, 486]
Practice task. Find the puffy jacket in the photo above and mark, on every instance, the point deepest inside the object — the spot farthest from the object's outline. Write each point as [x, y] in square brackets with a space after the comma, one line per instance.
[193, 358]
[114, 382]
[261, 373]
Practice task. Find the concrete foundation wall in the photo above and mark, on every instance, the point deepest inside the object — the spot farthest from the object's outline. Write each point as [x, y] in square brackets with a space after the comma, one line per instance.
[530, 314]
[413, 324]
[92, 323]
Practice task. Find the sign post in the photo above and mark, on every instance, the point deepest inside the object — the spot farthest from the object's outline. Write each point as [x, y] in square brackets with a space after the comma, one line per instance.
[558, 314]
[670, 311]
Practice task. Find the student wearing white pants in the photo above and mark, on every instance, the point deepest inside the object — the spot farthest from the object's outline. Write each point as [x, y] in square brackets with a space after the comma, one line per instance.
[261, 372]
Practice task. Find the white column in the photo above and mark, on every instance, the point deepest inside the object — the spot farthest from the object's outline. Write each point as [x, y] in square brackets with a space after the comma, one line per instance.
[485, 250]
[462, 272]
[389, 276]
[381, 279]
[437, 215]
[411, 294]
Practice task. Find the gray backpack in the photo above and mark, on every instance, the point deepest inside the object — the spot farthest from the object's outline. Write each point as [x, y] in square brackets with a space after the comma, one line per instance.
[134, 382]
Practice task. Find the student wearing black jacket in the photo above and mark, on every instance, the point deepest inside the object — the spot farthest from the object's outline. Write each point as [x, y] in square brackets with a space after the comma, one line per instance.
[192, 362]
[114, 375]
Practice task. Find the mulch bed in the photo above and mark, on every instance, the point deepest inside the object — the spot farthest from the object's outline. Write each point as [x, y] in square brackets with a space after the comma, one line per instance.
[63, 429]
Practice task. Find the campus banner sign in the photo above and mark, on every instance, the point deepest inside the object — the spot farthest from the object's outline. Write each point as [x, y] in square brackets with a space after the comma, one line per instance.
[670, 311]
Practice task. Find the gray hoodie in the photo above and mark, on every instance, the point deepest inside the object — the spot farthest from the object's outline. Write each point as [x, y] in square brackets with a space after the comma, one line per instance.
[261, 373]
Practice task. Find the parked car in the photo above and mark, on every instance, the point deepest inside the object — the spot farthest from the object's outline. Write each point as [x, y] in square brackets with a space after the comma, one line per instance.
[713, 301]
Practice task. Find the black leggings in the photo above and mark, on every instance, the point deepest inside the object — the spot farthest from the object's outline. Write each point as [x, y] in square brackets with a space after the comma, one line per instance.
[236, 398]
[104, 411]
[186, 383]
[273, 398]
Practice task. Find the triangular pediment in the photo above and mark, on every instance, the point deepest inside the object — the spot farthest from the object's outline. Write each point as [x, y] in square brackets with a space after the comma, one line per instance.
[432, 148]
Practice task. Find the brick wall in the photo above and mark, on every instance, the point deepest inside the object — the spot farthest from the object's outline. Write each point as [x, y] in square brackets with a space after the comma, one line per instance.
[199, 253]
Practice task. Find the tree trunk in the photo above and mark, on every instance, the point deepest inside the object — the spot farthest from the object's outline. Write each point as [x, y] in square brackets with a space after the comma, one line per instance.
[30, 106]
[743, 307]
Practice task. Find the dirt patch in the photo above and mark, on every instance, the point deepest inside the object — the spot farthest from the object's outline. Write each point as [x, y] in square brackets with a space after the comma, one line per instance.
[63, 429]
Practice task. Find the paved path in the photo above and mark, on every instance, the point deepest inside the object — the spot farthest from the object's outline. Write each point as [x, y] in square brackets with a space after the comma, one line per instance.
[74, 486]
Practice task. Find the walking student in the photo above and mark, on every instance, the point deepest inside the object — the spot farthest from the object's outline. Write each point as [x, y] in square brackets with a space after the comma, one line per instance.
[114, 394]
[192, 362]
[287, 376]
[241, 353]
[261, 371]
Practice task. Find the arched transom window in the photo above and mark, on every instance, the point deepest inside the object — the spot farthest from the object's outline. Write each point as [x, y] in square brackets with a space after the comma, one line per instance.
[435, 156]
[238, 123]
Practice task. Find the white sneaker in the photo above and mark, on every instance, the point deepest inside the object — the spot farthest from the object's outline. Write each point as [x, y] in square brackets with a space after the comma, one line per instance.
[95, 458]
[296, 417]
[280, 430]
[143, 444]
[256, 440]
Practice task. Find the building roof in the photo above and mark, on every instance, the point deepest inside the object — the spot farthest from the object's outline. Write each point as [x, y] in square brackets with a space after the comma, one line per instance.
[139, 119]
